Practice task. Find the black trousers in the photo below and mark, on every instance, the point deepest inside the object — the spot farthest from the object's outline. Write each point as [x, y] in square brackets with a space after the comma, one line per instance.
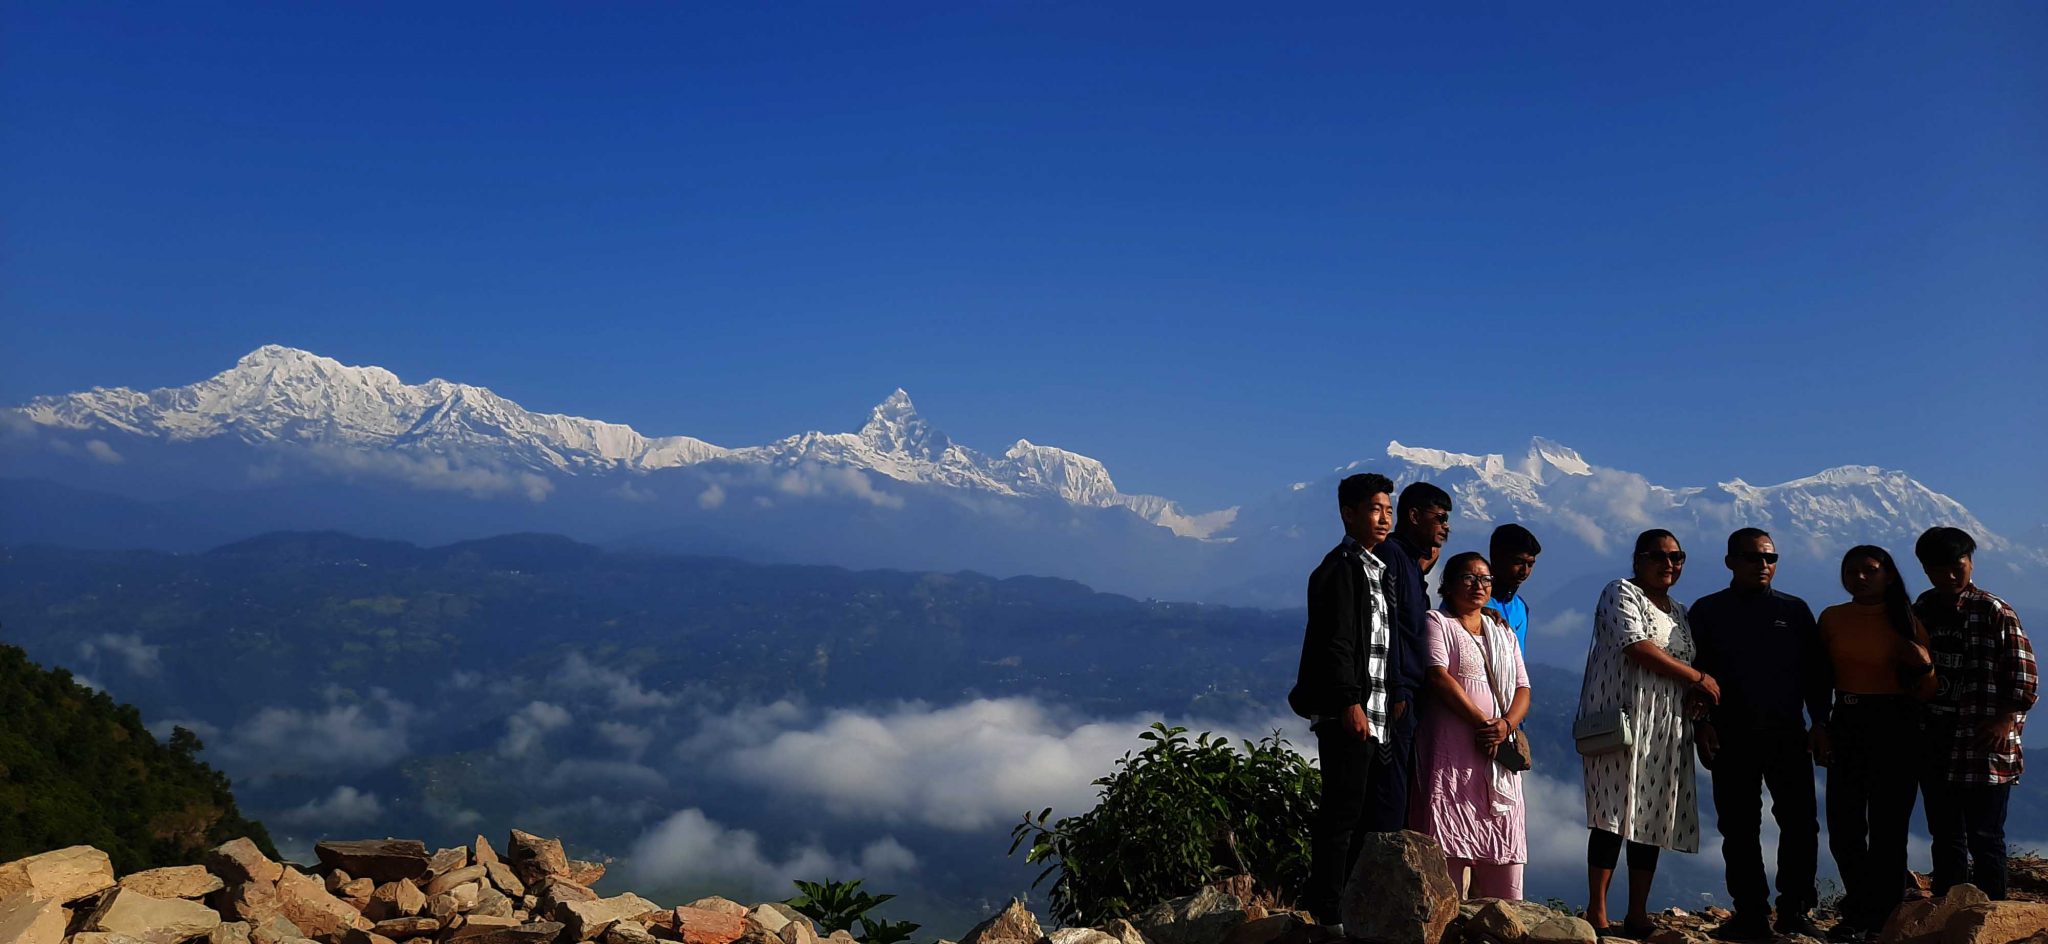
[1749, 761]
[1350, 769]
[1387, 797]
[1872, 782]
[1966, 821]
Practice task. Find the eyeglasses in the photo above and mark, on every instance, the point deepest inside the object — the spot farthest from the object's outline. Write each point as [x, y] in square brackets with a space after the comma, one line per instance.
[1471, 580]
[1441, 516]
[1676, 557]
[1767, 557]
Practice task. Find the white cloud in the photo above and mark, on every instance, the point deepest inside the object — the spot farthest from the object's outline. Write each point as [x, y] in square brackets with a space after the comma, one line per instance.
[626, 693]
[811, 481]
[1584, 528]
[964, 767]
[346, 806]
[429, 471]
[98, 449]
[139, 657]
[525, 728]
[886, 856]
[1555, 813]
[711, 497]
[1567, 623]
[1624, 496]
[689, 847]
[341, 736]
[626, 737]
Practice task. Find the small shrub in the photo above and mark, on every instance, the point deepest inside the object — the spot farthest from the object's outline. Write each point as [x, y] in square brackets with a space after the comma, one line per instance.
[839, 906]
[1174, 816]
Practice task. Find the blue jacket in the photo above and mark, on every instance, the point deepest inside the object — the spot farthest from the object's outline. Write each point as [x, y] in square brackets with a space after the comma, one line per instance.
[1410, 652]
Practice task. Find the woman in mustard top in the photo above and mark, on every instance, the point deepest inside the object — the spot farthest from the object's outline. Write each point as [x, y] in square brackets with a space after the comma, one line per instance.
[1878, 652]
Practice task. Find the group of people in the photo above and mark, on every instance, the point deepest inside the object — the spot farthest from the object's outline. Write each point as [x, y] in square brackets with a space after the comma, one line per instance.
[1417, 712]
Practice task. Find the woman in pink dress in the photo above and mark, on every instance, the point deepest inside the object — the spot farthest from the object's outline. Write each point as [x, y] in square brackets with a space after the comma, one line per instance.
[1480, 693]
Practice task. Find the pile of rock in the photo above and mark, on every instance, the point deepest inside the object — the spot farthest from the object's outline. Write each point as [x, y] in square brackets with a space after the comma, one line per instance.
[392, 891]
[1400, 892]
[381, 891]
[1967, 916]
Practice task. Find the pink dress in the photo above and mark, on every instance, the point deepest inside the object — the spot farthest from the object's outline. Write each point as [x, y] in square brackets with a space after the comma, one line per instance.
[1453, 799]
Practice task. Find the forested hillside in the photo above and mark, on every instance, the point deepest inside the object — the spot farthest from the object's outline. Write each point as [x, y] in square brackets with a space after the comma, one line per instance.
[76, 767]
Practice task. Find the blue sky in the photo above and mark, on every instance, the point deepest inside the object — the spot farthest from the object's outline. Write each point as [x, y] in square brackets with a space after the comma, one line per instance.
[1221, 250]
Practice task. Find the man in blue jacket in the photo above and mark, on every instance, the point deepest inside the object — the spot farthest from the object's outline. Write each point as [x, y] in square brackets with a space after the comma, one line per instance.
[1423, 524]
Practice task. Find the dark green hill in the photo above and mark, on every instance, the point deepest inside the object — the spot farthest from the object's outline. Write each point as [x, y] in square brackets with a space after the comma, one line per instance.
[78, 768]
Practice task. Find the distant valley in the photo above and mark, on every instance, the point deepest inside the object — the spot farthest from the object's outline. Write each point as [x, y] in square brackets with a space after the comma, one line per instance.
[657, 707]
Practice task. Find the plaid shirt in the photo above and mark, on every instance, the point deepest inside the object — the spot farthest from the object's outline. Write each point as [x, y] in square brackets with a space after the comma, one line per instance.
[1984, 670]
[1376, 649]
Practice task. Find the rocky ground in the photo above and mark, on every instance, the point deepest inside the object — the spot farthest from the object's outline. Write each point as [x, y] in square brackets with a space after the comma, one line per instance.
[389, 891]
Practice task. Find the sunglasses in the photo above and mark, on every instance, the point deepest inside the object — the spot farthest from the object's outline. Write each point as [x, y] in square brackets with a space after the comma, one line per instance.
[1767, 557]
[1472, 580]
[1676, 557]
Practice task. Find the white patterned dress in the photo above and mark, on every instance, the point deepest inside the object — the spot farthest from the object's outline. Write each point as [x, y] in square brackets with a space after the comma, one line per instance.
[1646, 793]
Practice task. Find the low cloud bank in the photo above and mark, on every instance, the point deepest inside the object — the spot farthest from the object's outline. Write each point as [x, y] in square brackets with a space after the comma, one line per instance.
[689, 847]
[343, 735]
[965, 767]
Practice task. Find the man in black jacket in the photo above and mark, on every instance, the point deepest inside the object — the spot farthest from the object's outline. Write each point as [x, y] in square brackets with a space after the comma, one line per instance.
[1764, 647]
[1344, 685]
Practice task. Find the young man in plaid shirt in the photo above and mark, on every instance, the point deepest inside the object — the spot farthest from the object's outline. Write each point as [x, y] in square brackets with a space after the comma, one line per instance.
[1984, 683]
[1344, 686]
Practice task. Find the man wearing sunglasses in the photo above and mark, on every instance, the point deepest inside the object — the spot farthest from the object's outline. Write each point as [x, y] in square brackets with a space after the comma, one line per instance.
[1764, 647]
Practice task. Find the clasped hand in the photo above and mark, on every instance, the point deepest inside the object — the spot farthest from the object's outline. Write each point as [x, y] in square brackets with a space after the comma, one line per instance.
[1493, 733]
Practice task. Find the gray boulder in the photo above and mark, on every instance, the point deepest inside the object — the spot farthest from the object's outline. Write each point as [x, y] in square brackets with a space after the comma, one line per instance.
[1400, 891]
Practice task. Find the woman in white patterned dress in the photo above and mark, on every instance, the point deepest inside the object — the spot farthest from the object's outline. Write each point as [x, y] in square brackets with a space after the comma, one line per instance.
[1643, 794]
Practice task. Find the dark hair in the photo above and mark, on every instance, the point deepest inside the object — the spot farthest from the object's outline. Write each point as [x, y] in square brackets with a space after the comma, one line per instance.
[1512, 538]
[1744, 536]
[1647, 541]
[1940, 546]
[1443, 584]
[1362, 487]
[1421, 495]
[1898, 606]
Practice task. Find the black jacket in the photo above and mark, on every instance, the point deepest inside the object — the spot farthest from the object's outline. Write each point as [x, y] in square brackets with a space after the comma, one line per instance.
[1336, 642]
[1764, 649]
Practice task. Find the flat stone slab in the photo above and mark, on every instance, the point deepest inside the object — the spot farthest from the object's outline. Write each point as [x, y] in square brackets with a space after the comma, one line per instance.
[380, 860]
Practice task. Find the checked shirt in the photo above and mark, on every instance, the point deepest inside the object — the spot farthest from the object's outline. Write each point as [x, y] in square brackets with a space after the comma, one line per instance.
[1984, 670]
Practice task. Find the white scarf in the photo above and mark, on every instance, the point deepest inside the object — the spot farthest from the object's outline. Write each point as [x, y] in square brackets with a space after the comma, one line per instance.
[1498, 648]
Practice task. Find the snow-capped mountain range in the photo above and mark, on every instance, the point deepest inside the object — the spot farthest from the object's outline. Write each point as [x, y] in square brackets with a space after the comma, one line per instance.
[282, 395]
[912, 497]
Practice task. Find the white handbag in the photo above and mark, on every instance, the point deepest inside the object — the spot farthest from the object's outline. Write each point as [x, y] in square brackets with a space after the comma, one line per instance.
[1603, 732]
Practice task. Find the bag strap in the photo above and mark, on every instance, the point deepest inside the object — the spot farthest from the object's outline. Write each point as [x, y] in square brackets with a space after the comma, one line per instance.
[1486, 657]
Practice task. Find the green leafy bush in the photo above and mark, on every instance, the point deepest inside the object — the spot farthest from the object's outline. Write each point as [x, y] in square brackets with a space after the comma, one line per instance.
[839, 906]
[1174, 816]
